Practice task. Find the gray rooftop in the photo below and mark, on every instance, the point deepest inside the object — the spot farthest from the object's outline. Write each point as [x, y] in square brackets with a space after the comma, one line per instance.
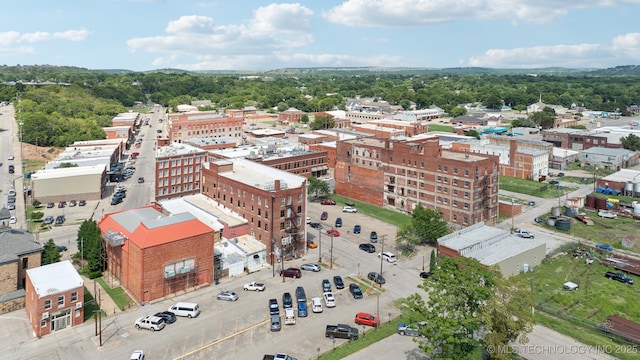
[260, 176]
[471, 237]
[607, 151]
[149, 217]
[15, 243]
[504, 249]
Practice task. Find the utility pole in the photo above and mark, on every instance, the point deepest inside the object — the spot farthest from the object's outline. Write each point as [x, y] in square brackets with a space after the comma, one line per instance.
[320, 245]
[331, 252]
[383, 238]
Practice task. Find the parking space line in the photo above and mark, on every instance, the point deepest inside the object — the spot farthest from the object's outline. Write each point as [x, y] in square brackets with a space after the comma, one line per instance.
[221, 340]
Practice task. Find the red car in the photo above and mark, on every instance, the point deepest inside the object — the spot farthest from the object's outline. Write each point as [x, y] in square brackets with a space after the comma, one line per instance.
[367, 319]
[333, 232]
[327, 202]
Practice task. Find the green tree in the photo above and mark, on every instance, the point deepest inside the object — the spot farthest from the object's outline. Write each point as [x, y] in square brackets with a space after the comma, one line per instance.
[457, 111]
[544, 119]
[90, 243]
[406, 237]
[451, 318]
[508, 315]
[630, 142]
[322, 122]
[428, 224]
[473, 133]
[317, 187]
[304, 119]
[432, 260]
[50, 253]
[36, 215]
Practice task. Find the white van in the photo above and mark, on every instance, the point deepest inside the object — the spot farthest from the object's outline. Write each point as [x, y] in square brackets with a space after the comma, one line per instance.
[189, 310]
[316, 305]
[289, 316]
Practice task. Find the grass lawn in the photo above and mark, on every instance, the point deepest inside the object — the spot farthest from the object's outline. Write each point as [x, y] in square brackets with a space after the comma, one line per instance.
[597, 296]
[533, 188]
[371, 336]
[122, 300]
[441, 128]
[389, 216]
[578, 313]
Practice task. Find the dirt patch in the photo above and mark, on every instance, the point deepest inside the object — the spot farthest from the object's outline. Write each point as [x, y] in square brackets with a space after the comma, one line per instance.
[39, 153]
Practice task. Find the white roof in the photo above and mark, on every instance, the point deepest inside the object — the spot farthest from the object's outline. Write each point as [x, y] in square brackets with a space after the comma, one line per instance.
[67, 172]
[624, 175]
[54, 278]
[177, 149]
[204, 209]
[261, 176]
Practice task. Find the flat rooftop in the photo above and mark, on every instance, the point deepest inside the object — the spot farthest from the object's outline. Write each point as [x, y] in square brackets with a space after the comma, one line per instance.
[66, 172]
[624, 175]
[177, 149]
[260, 176]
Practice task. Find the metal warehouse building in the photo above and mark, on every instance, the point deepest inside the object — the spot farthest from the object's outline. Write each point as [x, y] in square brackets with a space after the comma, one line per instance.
[494, 247]
[65, 184]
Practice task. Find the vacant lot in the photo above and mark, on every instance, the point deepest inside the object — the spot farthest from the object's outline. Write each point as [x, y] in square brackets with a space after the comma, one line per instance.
[533, 188]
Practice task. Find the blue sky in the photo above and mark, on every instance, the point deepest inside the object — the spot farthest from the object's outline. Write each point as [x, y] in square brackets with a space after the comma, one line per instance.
[144, 35]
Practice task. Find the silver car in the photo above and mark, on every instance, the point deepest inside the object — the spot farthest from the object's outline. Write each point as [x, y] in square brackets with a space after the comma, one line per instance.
[311, 267]
[227, 296]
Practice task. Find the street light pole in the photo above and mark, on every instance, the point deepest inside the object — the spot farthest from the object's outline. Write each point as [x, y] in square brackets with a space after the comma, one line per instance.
[331, 251]
[320, 245]
[512, 214]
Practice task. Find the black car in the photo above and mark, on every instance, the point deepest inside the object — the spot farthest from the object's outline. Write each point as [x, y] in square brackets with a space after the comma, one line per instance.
[316, 225]
[59, 219]
[50, 205]
[377, 278]
[168, 316]
[554, 182]
[287, 301]
[355, 290]
[370, 248]
[337, 280]
[274, 309]
[61, 248]
[425, 274]
[11, 169]
[82, 203]
[116, 200]
[326, 286]
[301, 296]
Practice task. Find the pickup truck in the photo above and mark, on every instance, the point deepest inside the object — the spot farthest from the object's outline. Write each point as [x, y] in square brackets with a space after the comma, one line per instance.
[525, 234]
[278, 356]
[341, 331]
[619, 276]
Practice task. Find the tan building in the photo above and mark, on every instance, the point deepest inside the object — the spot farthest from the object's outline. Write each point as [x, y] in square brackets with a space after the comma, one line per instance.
[203, 124]
[64, 184]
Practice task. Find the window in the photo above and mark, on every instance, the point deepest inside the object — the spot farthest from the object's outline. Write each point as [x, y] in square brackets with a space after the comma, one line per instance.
[77, 312]
[43, 322]
[25, 263]
[74, 296]
[60, 301]
[47, 304]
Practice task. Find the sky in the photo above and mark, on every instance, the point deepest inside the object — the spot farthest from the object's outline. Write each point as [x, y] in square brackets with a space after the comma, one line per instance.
[142, 35]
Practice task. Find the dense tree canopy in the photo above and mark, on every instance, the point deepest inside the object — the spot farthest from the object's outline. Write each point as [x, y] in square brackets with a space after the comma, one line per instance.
[426, 227]
[91, 250]
[317, 187]
[631, 142]
[50, 253]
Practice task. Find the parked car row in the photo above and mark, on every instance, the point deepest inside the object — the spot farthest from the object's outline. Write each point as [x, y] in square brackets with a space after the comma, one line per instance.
[158, 321]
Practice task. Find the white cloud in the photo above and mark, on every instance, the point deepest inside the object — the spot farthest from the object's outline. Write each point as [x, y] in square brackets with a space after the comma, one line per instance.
[9, 38]
[625, 49]
[402, 13]
[72, 35]
[273, 28]
[13, 37]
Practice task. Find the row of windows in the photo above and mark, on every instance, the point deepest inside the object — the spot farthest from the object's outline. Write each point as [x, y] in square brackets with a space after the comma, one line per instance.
[177, 189]
[164, 164]
[206, 132]
[179, 170]
[455, 170]
[283, 201]
[74, 298]
[177, 180]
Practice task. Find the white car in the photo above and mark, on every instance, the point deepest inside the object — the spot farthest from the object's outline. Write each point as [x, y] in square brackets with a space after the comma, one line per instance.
[525, 234]
[349, 209]
[10, 157]
[254, 286]
[308, 220]
[152, 323]
[316, 305]
[329, 300]
[13, 220]
[137, 355]
[388, 256]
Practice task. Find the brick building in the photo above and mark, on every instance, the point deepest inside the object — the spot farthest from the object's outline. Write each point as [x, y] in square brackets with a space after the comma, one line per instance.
[280, 155]
[273, 201]
[54, 298]
[19, 252]
[205, 124]
[520, 158]
[153, 255]
[402, 174]
[329, 148]
[178, 170]
[576, 139]
[291, 115]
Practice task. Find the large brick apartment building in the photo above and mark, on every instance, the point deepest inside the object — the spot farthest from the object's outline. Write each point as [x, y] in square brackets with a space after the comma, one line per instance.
[273, 201]
[178, 170]
[204, 124]
[402, 174]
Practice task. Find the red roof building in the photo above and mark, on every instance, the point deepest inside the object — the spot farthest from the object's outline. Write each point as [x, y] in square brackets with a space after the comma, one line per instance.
[153, 255]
